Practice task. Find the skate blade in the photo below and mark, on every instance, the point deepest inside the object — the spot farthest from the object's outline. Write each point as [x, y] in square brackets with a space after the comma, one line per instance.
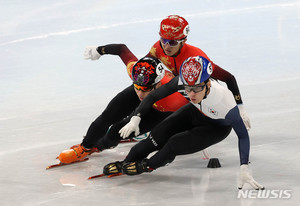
[128, 140]
[102, 175]
[63, 164]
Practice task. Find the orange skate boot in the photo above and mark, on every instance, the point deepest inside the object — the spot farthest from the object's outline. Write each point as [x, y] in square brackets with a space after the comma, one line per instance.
[74, 155]
[94, 149]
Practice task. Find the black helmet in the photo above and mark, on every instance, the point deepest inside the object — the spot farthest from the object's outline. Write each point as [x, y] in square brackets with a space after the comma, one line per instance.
[147, 72]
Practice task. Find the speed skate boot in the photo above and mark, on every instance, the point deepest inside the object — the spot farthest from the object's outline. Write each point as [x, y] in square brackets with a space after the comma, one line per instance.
[94, 149]
[74, 155]
[113, 168]
[136, 168]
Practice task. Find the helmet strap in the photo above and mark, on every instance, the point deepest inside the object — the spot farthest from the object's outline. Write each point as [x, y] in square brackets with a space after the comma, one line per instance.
[155, 86]
[207, 89]
[179, 50]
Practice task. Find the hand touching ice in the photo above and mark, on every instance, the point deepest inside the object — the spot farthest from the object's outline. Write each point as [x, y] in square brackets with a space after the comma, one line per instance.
[245, 177]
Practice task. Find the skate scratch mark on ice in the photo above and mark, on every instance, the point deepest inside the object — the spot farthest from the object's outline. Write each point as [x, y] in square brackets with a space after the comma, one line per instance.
[56, 197]
[195, 15]
[70, 185]
[65, 33]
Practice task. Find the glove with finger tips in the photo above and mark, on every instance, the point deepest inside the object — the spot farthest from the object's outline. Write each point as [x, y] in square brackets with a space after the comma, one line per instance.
[90, 52]
[132, 126]
[246, 177]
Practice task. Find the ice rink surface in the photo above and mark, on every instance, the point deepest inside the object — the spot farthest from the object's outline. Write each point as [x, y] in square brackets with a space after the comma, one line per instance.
[49, 95]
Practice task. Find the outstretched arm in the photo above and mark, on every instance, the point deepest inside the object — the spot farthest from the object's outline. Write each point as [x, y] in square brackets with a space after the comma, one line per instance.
[244, 148]
[118, 49]
[94, 53]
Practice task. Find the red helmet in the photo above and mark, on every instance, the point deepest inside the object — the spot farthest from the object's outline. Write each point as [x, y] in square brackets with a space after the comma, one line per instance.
[174, 27]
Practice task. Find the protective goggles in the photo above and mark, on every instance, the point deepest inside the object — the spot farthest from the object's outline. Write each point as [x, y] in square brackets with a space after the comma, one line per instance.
[170, 42]
[195, 88]
[143, 88]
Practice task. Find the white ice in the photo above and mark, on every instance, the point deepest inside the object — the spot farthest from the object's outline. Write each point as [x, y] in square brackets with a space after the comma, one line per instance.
[49, 95]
